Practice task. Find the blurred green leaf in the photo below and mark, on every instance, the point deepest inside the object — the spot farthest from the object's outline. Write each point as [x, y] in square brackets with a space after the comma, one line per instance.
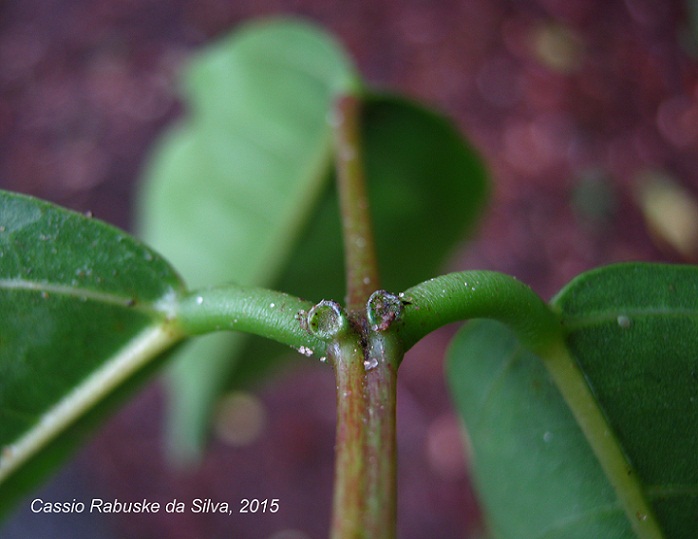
[230, 189]
[632, 330]
[227, 199]
[83, 307]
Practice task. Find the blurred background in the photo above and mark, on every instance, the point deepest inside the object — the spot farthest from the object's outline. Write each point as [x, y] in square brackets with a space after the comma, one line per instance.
[586, 112]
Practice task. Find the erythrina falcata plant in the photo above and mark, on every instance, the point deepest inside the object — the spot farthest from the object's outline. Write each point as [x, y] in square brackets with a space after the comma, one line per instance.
[582, 413]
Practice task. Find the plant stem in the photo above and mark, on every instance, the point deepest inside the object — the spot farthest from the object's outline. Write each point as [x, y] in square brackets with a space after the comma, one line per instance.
[359, 251]
[349, 504]
[365, 359]
[258, 311]
[477, 294]
[365, 499]
[381, 445]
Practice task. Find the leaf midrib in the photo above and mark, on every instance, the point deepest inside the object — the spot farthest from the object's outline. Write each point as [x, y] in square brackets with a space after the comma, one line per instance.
[573, 323]
[155, 309]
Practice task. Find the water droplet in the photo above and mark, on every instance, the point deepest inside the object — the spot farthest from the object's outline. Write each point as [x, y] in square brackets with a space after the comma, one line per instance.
[370, 363]
[199, 300]
[624, 322]
[272, 305]
[307, 352]
[547, 437]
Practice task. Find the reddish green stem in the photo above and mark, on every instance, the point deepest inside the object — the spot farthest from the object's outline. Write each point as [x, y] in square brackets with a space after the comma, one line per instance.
[365, 355]
[359, 250]
[349, 504]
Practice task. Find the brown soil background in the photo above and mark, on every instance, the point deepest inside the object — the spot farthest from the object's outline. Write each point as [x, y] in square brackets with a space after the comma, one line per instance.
[572, 102]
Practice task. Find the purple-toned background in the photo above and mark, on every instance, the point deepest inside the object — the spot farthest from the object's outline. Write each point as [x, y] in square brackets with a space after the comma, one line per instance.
[571, 102]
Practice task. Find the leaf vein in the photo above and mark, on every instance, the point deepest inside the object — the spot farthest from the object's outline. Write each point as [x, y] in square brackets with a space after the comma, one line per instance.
[82, 294]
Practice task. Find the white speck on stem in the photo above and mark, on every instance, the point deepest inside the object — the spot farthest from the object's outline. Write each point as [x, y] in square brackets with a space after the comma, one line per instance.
[199, 300]
[370, 363]
[307, 352]
[272, 305]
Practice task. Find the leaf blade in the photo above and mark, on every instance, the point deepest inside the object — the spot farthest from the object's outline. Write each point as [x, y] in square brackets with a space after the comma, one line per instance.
[647, 315]
[633, 350]
[522, 434]
[72, 326]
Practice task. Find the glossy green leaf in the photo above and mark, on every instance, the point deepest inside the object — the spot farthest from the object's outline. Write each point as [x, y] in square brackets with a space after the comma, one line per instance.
[225, 202]
[230, 189]
[631, 332]
[83, 308]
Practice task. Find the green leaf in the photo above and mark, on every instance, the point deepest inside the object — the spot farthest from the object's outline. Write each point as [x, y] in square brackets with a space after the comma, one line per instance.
[627, 379]
[226, 202]
[83, 308]
[231, 188]
[633, 331]
[534, 472]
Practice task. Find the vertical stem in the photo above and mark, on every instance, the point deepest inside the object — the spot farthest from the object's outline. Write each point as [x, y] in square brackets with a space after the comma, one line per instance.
[349, 504]
[365, 500]
[365, 359]
[359, 250]
[381, 444]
